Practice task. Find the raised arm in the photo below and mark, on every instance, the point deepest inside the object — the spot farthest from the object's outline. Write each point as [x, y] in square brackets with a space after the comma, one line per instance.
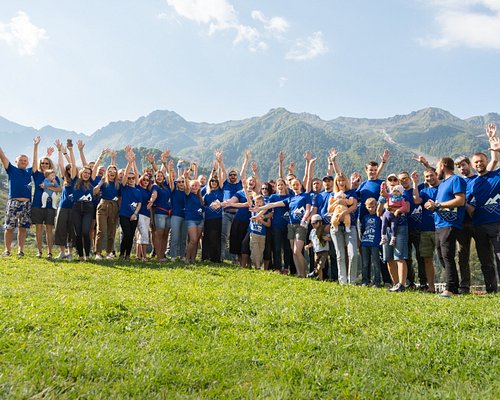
[168, 175]
[219, 157]
[491, 131]
[384, 158]
[187, 173]
[80, 144]
[130, 157]
[416, 195]
[243, 172]
[60, 160]
[422, 160]
[36, 142]
[150, 158]
[98, 163]
[255, 172]
[281, 159]
[308, 184]
[74, 169]
[307, 158]
[5, 160]
[333, 163]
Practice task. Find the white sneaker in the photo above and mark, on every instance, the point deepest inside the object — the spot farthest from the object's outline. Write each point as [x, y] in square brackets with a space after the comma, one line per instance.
[98, 257]
[110, 256]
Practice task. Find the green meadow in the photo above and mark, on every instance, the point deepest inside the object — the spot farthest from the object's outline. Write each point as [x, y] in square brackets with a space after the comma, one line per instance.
[121, 330]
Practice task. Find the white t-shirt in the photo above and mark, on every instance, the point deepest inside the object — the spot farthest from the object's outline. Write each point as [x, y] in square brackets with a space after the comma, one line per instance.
[317, 247]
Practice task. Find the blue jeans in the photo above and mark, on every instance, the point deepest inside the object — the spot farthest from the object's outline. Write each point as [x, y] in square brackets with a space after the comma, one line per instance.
[227, 220]
[178, 235]
[341, 240]
[370, 259]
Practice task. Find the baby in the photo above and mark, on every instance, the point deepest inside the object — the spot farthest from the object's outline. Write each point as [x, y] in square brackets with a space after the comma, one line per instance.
[48, 182]
[395, 202]
[336, 207]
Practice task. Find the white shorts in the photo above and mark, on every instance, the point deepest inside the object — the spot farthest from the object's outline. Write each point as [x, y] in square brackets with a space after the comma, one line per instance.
[143, 229]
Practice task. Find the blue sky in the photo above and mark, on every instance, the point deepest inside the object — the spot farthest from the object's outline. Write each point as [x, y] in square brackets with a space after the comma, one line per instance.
[79, 65]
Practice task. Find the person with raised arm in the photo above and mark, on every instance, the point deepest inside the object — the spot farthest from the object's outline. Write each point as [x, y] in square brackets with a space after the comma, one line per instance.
[194, 211]
[63, 232]
[299, 207]
[212, 229]
[43, 216]
[130, 205]
[18, 209]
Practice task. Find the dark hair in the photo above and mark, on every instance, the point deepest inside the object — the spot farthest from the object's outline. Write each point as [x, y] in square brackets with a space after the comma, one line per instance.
[430, 169]
[478, 154]
[371, 164]
[448, 163]
[269, 188]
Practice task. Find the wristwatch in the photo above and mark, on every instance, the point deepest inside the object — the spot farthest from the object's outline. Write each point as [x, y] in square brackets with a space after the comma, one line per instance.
[437, 205]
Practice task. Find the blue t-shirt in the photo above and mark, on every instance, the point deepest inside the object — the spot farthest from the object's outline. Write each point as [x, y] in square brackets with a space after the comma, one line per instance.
[367, 189]
[97, 197]
[297, 207]
[485, 197]
[38, 179]
[280, 216]
[446, 191]
[162, 202]
[208, 199]
[427, 222]
[131, 197]
[371, 226]
[257, 228]
[468, 180]
[82, 194]
[413, 222]
[194, 208]
[66, 197]
[178, 201]
[109, 191]
[230, 190]
[145, 196]
[243, 214]
[48, 184]
[321, 203]
[19, 182]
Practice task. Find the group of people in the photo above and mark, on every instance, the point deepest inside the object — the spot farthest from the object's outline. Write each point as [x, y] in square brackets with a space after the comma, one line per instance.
[331, 225]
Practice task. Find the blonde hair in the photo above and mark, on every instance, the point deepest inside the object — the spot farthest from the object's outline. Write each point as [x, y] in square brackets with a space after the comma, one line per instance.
[369, 201]
[336, 183]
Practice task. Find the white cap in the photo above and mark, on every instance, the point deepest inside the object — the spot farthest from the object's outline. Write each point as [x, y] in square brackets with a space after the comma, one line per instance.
[316, 218]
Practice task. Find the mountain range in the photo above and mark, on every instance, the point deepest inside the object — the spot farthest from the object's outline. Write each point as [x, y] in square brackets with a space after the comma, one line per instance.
[432, 132]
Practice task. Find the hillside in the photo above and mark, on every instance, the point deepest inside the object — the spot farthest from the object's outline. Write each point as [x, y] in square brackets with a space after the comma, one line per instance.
[431, 131]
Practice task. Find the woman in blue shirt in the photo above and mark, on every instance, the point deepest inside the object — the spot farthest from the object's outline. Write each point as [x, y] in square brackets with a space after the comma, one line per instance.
[193, 216]
[144, 220]
[211, 244]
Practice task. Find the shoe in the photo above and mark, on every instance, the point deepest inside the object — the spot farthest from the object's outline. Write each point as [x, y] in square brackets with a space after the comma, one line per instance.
[110, 256]
[397, 288]
[348, 229]
[69, 256]
[6, 253]
[39, 254]
[20, 254]
[446, 294]
[98, 257]
[49, 256]
[412, 286]
[463, 291]
[423, 288]
[393, 241]
[312, 274]
[61, 256]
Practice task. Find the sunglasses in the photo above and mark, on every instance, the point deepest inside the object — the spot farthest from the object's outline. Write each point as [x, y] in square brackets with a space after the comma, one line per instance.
[264, 188]
[214, 180]
[392, 179]
[145, 180]
[45, 163]
[232, 174]
[131, 177]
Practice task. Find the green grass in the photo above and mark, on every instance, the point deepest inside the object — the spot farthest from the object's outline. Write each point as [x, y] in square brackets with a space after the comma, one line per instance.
[123, 330]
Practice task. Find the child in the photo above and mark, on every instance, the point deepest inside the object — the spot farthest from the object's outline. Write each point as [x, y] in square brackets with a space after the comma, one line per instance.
[395, 202]
[319, 238]
[257, 228]
[337, 206]
[48, 182]
[370, 239]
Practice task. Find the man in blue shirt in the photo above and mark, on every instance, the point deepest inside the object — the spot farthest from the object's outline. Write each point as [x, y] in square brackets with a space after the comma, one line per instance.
[18, 210]
[449, 210]
[484, 197]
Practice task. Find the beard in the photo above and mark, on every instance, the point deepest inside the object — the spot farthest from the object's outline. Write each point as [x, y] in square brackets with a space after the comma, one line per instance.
[441, 175]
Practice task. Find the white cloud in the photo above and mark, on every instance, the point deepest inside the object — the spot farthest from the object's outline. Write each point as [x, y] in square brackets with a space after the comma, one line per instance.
[307, 49]
[22, 34]
[275, 25]
[468, 23]
[282, 81]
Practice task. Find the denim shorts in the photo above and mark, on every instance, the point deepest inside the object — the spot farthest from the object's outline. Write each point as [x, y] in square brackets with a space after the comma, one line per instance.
[400, 250]
[162, 221]
[193, 224]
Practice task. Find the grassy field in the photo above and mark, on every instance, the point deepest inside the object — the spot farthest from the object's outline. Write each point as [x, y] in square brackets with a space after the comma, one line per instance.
[117, 330]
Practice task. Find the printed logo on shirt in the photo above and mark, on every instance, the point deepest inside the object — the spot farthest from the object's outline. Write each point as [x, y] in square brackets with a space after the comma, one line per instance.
[299, 212]
[449, 215]
[416, 215]
[87, 197]
[200, 211]
[115, 198]
[492, 206]
[370, 231]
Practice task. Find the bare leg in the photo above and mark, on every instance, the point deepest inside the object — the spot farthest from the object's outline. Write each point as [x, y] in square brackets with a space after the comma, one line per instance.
[8, 236]
[39, 237]
[48, 235]
[429, 272]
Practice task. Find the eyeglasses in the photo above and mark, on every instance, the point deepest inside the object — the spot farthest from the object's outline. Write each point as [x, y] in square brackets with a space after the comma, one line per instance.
[392, 179]
[45, 163]
[233, 174]
[214, 180]
[264, 188]
[131, 177]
